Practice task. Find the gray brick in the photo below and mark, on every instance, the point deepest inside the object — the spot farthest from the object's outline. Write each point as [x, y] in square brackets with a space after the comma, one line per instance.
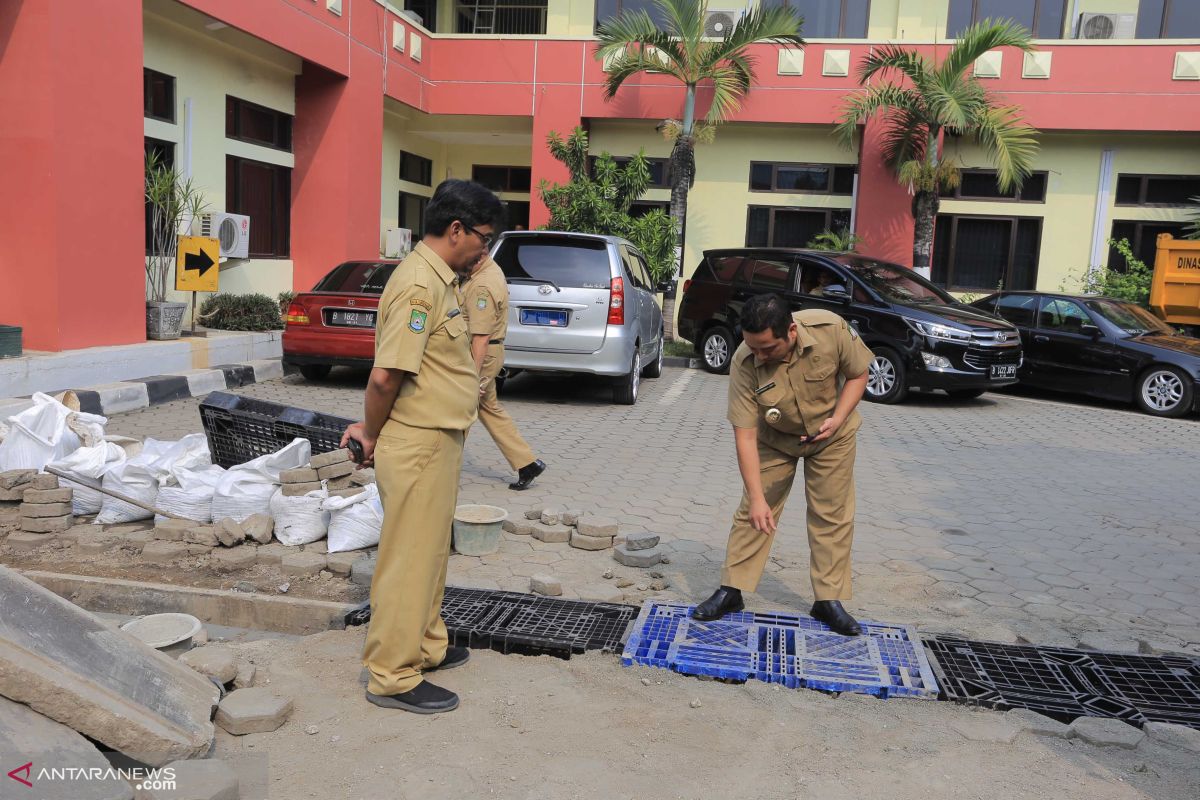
[637, 558]
[552, 534]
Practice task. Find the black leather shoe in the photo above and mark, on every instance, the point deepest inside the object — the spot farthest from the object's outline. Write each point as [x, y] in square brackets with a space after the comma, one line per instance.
[725, 600]
[832, 614]
[455, 657]
[425, 698]
[526, 474]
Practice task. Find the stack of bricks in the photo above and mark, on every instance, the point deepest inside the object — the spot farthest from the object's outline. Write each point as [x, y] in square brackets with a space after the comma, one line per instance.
[45, 508]
[336, 470]
[299, 482]
[12, 491]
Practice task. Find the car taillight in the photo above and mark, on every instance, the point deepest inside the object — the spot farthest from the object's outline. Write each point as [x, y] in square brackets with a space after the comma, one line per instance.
[687, 285]
[616, 302]
[296, 315]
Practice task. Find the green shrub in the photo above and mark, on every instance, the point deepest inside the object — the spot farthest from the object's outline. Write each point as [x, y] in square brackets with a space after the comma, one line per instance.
[1131, 283]
[241, 312]
[285, 300]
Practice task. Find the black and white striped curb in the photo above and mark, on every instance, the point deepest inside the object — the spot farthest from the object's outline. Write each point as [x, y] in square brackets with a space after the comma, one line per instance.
[117, 398]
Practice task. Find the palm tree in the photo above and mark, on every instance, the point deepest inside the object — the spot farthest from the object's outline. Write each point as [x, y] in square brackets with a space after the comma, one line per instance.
[632, 43]
[921, 100]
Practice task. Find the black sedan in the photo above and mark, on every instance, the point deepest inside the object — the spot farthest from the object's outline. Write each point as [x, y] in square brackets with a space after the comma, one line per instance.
[1104, 348]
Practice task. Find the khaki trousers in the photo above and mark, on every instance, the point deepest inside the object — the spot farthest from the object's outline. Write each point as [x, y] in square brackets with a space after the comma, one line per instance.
[829, 490]
[497, 421]
[417, 470]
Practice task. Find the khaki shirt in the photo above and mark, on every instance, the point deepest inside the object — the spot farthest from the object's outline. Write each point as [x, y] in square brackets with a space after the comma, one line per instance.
[421, 330]
[485, 302]
[803, 387]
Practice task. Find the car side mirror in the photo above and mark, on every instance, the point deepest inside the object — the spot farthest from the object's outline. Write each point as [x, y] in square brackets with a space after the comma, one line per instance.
[1090, 330]
[835, 291]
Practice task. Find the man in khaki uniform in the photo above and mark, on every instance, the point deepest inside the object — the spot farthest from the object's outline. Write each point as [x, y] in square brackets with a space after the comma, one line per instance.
[420, 400]
[794, 385]
[485, 304]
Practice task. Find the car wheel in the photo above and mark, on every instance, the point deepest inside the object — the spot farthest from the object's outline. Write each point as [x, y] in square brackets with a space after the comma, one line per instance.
[625, 390]
[716, 349]
[1164, 392]
[966, 394]
[654, 368]
[315, 372]
[886, 378]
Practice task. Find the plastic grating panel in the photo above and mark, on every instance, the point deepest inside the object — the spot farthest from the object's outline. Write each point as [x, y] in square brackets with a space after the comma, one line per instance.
[240, 429]
[511, 622]
[791, 649]
[1065, 684]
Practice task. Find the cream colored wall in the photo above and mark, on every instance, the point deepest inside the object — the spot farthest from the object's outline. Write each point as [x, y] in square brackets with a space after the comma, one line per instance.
[1073, 162]
[205, 69]
[717, 204]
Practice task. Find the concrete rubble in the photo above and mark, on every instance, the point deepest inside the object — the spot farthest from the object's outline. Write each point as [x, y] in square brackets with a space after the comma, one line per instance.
[253, 710]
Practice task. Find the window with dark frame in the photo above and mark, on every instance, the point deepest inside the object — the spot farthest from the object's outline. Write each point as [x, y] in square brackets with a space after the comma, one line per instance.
[516, 214]
[610, 9]
[779, 226]
[1143, 240]
[1157, 190]
[979, 253]
[158, 95]
[640, 208]
[1168, 19]
[1043, 18]
[502, 179]
[767, 176]
[980, 184]
[829, 19]
[412, 214]
[262, 192]
[250, 122]
[660, 170]
[416, 169]
[165, 151]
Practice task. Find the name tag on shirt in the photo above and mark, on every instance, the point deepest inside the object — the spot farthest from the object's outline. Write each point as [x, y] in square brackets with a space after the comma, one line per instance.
[766, 388]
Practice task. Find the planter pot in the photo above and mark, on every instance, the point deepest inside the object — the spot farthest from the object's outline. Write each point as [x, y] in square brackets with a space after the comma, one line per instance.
[164, 320]
[10, 341]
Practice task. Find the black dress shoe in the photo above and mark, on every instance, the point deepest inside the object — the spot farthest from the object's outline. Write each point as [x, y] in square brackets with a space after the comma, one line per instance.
[526, 474]
[832, 614]
[425, 698]
[725, 600]
[455, 657]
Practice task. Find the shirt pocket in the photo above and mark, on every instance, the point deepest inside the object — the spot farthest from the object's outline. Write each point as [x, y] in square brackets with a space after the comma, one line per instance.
[821, 384]
[456, 326]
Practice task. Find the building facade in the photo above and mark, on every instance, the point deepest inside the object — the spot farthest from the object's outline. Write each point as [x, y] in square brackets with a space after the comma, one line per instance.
[328, 122]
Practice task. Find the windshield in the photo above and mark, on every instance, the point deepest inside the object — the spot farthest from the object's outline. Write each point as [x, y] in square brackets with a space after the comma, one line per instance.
[367, 277]
[1128, 317]
[897, 284]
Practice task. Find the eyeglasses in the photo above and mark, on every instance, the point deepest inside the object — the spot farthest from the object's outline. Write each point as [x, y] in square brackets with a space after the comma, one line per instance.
[488, 238]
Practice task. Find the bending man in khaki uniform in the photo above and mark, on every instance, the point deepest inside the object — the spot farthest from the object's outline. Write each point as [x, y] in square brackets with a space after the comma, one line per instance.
[485, 304]
[420, 400]
[786, 405]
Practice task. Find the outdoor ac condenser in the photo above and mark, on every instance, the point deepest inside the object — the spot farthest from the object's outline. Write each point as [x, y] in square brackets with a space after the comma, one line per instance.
[719, 22]
[233, 230]
[1106, 26]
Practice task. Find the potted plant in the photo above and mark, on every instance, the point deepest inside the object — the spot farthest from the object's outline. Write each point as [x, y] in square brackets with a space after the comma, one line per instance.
[174, 202]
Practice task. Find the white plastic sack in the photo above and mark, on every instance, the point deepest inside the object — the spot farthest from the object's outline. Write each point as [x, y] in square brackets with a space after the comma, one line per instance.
[355, 522]
[190, 493]
[141, 476]
[246, 489]
[88, 464]
[42, 433]
[300, 520]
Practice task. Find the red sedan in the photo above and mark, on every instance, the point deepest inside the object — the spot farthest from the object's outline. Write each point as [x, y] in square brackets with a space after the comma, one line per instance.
[334, 324]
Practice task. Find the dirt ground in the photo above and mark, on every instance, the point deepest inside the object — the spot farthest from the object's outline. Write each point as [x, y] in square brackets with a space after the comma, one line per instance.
[541, 727]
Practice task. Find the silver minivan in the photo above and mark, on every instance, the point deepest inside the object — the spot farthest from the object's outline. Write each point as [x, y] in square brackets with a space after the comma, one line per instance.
[580, 303]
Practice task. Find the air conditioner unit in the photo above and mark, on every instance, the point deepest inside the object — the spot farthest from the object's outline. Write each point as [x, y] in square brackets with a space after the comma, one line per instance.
[719, 22]
[397, 243]
[1106, 26]
[232, 229]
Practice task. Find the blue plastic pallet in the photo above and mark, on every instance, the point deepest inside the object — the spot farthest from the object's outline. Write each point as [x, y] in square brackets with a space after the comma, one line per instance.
[791, 649]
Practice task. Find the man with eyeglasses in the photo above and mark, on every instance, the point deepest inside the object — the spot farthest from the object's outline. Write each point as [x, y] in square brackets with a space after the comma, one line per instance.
[421, 398]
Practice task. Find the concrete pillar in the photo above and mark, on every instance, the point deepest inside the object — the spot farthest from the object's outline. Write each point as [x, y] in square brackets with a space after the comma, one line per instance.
[884, 214]
[72, 266]
[558, 107]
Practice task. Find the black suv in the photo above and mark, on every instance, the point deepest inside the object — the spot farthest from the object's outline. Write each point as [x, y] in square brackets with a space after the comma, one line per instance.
[922, 338]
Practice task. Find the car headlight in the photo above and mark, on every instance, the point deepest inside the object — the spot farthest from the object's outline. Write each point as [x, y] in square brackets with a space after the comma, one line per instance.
[935, 331]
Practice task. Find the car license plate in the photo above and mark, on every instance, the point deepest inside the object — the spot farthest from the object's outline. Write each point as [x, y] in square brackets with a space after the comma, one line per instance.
[352, 319]
[1001, 371]
[541, 316]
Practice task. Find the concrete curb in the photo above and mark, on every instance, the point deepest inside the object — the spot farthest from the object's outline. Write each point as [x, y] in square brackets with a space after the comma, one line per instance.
[117, 398]
[680, 361]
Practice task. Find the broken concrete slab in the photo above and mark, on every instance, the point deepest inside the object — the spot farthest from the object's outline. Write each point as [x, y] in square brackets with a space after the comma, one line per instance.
[272, 553]
[534, 513]
[551, 533]
[331, 458]
[230, 532]
[302, 475]
[641, 541]
[253, 710]
[349, 492]
[303, 563]
[163, 552]
[27, 736]
[581, 542]
[637, 558]
[344, 482]
[245, 676]
[590, 525]
[300, 489]
[335, 470]
[213, 661]
[342, 563]
[1037, 724]
[986, 727]
[15, 494]
[39, 510]
[233, 558]
[362, 572]
[571, 517]
[200, 779]
[47, 524]
[16, 477]
[545, 584]
[551, 516]
[10, 514]
[48, 495]
[1107, 732]
[518, 527]
[259, 527]
[363, 477]
[1178, 736]
[142, 703]
[24, 541]
[173, 530]
[202, 534]
[44, 480]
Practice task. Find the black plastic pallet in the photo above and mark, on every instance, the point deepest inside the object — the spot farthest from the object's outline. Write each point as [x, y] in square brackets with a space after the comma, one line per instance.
[1065, 684]
[240, 429]
[511, 622]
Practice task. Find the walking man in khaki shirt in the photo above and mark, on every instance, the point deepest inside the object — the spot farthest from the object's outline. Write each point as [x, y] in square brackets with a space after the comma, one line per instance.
[421, 398]
[485, 304]
[794, 386]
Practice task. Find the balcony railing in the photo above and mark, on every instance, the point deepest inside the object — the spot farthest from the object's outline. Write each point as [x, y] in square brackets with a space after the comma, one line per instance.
[501, 18]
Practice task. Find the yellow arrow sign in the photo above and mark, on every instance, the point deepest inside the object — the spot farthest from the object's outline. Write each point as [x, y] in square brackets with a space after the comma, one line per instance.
[197, 264]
